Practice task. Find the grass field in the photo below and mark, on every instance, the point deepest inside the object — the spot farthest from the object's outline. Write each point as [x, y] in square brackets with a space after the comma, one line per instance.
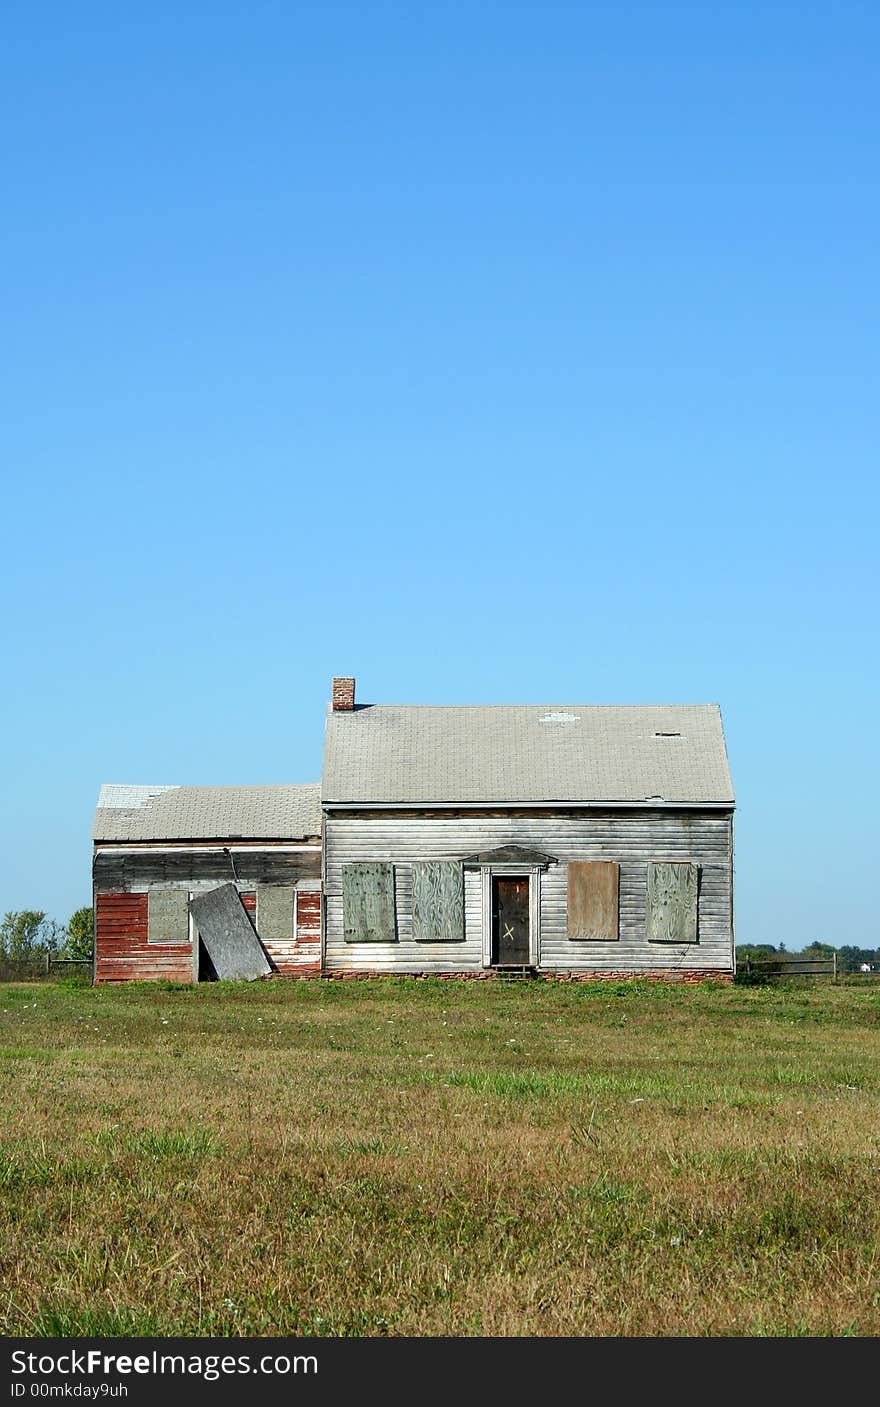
[440, 1158]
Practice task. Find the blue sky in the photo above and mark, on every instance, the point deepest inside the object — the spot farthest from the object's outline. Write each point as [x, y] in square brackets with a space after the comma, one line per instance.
[488, 352]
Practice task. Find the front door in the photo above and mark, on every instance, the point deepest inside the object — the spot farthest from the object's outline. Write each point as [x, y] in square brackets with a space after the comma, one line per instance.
[510, 921]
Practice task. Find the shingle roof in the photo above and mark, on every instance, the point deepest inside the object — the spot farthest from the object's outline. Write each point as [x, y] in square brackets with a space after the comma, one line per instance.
[208, 813]
[405, 754]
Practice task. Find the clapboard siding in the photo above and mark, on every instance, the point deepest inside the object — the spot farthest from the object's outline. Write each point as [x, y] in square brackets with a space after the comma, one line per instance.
[632, 838]
[119, 869]
[123, 952]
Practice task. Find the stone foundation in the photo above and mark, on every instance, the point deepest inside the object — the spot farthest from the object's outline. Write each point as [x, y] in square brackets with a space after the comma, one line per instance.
[687, 976]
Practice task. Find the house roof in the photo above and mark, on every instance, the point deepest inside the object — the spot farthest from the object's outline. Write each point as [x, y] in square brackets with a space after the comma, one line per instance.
[208, 813]
[418, 755]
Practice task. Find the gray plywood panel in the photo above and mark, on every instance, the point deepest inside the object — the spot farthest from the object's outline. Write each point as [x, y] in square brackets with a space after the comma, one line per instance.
[672, 903]
[228, 934]
[368, 902]
[593, 899]
[437, 901]
[168, 916]
[275, 912]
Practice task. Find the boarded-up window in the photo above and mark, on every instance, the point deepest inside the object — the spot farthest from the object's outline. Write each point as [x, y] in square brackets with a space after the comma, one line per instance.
[275, 912]
[437, 901]
[168, 916]
[593, 893]
[672, 902]
[368, 902]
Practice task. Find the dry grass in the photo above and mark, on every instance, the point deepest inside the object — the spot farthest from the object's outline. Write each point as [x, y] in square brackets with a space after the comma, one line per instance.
[430, 1158]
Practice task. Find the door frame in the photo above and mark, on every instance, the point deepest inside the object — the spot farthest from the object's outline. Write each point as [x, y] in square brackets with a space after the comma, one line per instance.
[533, 874]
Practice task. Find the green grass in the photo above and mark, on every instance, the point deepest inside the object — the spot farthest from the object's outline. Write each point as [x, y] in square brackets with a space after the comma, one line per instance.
[420, 1157]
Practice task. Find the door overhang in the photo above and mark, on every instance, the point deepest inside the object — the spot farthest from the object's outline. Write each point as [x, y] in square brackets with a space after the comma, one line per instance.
[509, 858]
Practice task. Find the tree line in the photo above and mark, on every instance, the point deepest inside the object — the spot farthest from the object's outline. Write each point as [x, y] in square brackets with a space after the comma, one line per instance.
[28, 935]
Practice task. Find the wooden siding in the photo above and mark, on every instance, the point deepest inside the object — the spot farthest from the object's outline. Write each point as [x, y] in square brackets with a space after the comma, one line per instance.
[631, 838]
[123, 952]
[119, 868]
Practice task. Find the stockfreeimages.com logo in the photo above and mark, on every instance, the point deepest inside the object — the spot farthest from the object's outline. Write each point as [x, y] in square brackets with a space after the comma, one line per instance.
[94, 1362]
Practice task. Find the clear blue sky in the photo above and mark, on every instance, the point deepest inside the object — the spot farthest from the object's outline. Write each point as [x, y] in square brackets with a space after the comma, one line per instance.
[501, 352]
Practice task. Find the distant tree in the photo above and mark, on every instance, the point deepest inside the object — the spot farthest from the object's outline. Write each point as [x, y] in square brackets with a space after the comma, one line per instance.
[755, 951]
[820, 950]
[79, 934]
[27, 934]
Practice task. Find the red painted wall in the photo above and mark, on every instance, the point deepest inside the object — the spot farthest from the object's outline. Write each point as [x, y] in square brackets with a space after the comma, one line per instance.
[123, 953]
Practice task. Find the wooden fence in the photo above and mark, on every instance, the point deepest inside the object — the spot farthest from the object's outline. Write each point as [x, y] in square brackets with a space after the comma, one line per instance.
[43, 968]
[791, 967]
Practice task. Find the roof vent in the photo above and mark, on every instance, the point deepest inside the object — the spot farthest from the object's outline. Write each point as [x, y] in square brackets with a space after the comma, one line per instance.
[554, 717]
[669, 735]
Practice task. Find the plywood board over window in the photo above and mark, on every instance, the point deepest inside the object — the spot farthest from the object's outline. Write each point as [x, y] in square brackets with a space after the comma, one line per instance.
[437, 901]
[672, 902]
[593, 899]
[275, 912]
[368, 902]
[168, 916]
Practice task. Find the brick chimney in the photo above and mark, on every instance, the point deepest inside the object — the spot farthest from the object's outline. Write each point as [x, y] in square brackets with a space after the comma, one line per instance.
[343, 695]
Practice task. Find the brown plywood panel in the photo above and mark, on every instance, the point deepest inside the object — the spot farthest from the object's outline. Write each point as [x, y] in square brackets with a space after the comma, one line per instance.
[593, 899]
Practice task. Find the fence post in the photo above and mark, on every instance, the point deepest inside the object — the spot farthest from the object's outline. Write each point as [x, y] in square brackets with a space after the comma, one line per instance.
[835, 966]
[47, 962]
[748, 965]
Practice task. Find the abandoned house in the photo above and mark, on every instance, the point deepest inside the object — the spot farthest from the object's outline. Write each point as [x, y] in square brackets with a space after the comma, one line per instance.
[575, 840]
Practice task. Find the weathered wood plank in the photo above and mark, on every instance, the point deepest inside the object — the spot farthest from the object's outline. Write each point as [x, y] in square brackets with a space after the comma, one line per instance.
[116, 870]
[228, 935]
